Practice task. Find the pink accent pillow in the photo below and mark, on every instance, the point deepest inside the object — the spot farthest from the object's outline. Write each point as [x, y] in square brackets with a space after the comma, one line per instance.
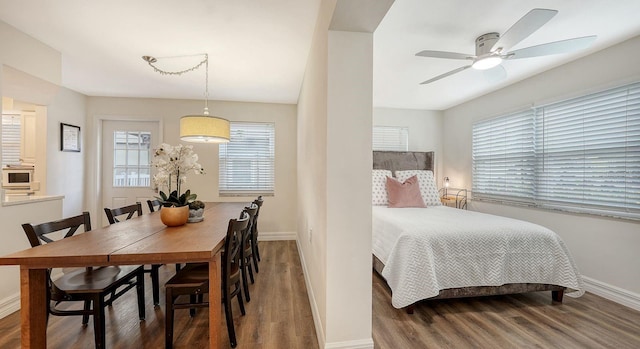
[405, 194]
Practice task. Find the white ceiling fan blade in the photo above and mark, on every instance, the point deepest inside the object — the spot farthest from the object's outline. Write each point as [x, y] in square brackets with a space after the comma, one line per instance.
[445, 75]
[553, 48]
[524, 27]
[444, 54]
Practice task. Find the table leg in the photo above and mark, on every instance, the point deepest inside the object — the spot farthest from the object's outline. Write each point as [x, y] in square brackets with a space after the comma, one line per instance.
[33, 311]
[215, 302]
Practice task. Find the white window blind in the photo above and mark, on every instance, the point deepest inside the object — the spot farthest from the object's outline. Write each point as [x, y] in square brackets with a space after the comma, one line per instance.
[247, 162]
[390, 138]
[580, 155]
[11, 138]
[504, 157]
[589, 151]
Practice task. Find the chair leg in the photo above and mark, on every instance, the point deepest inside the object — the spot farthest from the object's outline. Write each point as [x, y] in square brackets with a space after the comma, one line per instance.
[256, 251]
[240, 302]
[87, 307]
[98, 322]
[229, 315]
[168, 318]
[140, 292]
[250, 270]
[245, 284]
[155, 284]
[193, 300]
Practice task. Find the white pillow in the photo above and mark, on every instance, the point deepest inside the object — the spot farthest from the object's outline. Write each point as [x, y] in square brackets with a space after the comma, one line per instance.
[379, 187]
[427, 183]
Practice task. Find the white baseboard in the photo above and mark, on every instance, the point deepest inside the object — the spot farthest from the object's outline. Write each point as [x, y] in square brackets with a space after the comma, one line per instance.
[312, 300]
[9, 305]
[612, 293]
[359, 344]
[277, 236]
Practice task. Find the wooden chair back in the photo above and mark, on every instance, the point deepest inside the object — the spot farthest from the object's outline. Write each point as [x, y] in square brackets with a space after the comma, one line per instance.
[39, 233]
[130, 210]
[233, 243]
[153, 204]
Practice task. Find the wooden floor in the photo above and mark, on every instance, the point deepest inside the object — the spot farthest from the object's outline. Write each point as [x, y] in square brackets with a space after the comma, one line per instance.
[514, 321]
[279, 316]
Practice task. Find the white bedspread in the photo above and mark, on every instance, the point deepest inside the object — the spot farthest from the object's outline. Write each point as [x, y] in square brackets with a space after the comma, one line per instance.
[429, 249]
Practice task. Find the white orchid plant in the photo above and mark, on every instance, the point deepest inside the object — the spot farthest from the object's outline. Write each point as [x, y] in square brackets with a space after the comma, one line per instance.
[172, 166]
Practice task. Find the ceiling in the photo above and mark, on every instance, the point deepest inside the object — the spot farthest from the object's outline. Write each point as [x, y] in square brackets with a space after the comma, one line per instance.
[258, 49]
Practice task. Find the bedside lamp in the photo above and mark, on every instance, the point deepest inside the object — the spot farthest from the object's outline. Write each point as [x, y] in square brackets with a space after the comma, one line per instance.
[446, 185]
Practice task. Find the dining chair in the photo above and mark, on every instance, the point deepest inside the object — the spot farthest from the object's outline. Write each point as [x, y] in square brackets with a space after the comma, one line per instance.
[193, 280]
[153, 204]
[130, 210]
[254, 234]
[97, 287]
[246, 257]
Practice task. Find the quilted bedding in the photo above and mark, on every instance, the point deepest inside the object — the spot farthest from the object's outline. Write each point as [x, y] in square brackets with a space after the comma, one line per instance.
[426, 250]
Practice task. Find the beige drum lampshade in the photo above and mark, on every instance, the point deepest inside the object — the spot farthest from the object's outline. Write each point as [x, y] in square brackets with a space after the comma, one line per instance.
[204, 129]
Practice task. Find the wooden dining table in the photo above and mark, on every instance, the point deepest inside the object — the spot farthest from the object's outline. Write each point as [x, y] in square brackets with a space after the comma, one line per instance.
[140, 240]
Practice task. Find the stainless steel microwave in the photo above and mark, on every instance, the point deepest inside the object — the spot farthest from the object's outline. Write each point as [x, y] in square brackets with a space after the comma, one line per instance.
[17, 177]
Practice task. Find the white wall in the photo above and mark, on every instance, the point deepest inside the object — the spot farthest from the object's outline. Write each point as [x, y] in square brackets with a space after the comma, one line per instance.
[65, 170]
[278, 213]
[425, 129]
[605, 250]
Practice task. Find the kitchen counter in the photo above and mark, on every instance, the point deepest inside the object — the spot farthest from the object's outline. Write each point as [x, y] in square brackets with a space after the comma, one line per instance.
[22, 199]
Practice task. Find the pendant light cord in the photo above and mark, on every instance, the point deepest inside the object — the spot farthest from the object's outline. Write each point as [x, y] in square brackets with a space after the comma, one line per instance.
[151, 60]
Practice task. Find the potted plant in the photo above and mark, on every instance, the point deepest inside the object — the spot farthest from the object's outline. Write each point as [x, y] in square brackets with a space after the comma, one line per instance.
[196, 210]
[172, 165]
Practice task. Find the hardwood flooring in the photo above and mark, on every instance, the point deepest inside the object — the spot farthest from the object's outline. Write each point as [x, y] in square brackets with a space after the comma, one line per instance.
[513, 321]
[279, 317]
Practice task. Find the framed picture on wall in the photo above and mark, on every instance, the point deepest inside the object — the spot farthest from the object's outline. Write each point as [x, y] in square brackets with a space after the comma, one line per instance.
[69, 137]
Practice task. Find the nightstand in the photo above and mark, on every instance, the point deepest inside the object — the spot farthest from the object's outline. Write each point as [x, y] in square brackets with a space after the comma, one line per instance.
[454, 198]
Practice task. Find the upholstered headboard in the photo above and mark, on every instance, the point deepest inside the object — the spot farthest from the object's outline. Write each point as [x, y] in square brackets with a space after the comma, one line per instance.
[402, 160]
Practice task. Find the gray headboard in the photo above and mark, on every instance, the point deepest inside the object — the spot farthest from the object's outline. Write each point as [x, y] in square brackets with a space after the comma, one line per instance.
[402, 160]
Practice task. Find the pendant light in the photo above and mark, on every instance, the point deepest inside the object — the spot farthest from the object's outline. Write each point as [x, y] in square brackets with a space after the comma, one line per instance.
[198, 128]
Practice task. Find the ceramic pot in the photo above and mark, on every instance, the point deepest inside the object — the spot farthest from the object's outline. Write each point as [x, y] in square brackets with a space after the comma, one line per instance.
[174, 216]
[195, 215]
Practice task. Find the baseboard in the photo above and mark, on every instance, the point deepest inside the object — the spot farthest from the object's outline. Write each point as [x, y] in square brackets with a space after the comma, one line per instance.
[277, 236]
[312, 300]
[612, 293]
[359, 344]
[9, 305]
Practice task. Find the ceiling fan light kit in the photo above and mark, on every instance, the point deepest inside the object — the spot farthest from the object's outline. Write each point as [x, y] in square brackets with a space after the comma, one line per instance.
[491, 48]
[198, 128]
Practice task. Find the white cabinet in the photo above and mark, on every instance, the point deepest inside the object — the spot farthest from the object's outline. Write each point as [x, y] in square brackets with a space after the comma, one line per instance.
[28, 138]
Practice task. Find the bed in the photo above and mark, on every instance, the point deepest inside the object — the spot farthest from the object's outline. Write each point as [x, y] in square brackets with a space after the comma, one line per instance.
[441, 252]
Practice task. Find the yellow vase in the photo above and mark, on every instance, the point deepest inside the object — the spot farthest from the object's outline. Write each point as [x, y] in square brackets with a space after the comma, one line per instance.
[174, 216]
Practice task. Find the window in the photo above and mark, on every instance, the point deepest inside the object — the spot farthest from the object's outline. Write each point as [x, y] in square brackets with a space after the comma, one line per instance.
[504, 157]
[11, 139]
[583, 155]
[390, 138]
[131, 159]
[247, 162]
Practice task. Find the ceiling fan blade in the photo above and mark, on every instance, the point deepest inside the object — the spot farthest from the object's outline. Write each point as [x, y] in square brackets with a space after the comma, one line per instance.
[445, 75]
[524, 27]
[443, 54]
[552, 48]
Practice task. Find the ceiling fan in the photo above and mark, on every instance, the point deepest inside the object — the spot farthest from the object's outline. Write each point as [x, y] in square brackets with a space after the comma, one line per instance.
[492, 49]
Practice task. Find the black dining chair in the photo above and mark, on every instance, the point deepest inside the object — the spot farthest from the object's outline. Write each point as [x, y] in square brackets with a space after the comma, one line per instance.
[247, 251]
[97, 287]
[254, 234]
[154, 205]
[193, 280]
[130, 211]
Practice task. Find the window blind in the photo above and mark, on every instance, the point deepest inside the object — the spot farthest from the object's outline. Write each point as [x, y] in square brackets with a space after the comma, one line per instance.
[589, 151]
[247, 162]
[503, 157]
[390, 138]
[580, 155]
[11, 139]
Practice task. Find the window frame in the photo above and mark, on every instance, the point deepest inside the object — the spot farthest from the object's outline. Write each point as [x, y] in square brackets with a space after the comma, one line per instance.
[390, 138]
